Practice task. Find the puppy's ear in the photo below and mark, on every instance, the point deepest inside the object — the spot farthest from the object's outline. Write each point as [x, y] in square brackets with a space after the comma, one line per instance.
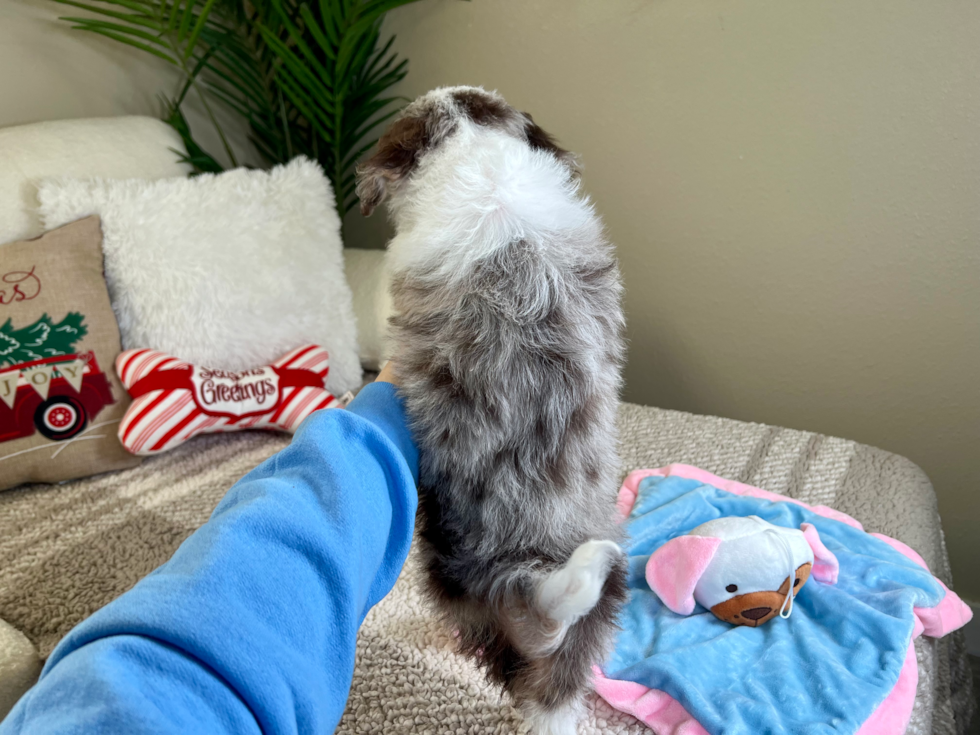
[372, 188]
[540, 140]
[674, 569]
[395, 159]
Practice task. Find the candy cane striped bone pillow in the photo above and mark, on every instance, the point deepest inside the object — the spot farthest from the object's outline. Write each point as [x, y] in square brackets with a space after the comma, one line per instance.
[174, 401]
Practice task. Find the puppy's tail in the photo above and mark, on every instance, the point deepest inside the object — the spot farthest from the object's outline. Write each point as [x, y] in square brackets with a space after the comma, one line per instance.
[566, 594]
[557, 598]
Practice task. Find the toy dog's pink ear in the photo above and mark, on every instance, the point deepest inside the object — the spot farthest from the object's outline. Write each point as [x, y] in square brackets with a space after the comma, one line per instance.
[825, 564]
[675, 568]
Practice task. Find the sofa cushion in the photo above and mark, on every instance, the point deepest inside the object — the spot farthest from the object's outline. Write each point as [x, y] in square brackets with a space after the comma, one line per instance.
[368, 279]
[113, 147]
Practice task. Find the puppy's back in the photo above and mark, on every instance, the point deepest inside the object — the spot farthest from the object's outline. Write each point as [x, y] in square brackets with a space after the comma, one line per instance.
[511, 375]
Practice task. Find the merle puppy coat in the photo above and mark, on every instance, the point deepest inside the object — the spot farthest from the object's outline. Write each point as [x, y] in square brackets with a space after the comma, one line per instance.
[508, 337]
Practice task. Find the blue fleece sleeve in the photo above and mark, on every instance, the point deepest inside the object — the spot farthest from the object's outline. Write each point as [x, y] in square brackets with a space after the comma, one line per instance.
[251, 626]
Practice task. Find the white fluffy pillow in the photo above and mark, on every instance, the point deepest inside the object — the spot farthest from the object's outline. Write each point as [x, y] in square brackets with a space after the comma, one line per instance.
[228, 271]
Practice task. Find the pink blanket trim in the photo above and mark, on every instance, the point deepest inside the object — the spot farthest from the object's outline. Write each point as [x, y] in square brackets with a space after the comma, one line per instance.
[666, 716]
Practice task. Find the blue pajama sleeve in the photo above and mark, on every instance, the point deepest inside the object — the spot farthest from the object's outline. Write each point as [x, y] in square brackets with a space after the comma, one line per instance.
[251, 626]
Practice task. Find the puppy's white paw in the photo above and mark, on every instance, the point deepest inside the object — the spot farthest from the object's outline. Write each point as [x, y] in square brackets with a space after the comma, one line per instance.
[561, 721]
[570, 592]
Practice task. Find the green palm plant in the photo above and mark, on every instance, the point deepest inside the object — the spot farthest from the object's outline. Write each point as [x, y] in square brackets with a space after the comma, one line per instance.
[309, 78]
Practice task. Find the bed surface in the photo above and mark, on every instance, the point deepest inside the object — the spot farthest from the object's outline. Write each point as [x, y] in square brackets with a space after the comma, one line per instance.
[67, 550]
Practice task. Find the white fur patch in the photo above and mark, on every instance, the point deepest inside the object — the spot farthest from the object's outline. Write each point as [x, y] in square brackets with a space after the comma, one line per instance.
[572, 591]
[480, 191]
[227, 271]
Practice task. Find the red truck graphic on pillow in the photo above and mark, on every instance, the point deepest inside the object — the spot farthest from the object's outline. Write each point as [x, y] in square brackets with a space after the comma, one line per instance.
[56, 396]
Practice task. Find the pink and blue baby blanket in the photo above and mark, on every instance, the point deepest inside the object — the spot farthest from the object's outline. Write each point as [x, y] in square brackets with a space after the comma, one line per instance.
[842, 663]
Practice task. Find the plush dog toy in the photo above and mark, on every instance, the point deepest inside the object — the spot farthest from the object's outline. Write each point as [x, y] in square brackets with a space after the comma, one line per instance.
[745, 570]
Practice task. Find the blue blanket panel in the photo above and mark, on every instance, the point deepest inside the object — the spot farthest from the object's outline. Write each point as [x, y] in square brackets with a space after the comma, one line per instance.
[824, 670]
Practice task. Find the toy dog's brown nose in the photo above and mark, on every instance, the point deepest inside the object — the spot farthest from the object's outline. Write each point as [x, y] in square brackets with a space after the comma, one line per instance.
[756, 613]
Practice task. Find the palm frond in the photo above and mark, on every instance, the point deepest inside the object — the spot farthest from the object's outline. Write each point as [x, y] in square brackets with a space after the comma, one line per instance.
[196, 156]
[309, 78]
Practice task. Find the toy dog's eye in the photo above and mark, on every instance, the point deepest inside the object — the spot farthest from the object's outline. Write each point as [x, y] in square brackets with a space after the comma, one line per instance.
[734, 587]
[797, 582]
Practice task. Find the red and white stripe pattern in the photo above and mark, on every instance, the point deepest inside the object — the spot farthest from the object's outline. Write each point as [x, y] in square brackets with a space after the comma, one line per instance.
[169, 412]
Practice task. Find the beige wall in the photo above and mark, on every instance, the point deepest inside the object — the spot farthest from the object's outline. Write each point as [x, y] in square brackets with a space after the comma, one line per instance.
[794, 189]
[50, 72]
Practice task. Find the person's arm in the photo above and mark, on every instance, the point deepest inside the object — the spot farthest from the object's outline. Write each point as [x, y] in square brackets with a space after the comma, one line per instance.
[251, 625]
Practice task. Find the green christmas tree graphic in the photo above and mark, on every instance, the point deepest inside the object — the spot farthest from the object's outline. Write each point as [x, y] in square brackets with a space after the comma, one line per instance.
[41, 339]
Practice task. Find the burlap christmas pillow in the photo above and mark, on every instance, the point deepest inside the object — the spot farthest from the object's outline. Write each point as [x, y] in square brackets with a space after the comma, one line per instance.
[60, 400]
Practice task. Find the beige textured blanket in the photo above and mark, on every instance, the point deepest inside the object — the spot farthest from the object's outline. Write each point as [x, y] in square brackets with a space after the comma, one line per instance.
[67, 550]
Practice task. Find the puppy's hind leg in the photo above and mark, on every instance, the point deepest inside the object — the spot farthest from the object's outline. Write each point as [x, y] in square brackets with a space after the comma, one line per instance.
[561, 720]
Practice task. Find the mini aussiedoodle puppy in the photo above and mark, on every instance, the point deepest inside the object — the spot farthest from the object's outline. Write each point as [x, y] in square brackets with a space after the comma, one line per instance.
[508, 337]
